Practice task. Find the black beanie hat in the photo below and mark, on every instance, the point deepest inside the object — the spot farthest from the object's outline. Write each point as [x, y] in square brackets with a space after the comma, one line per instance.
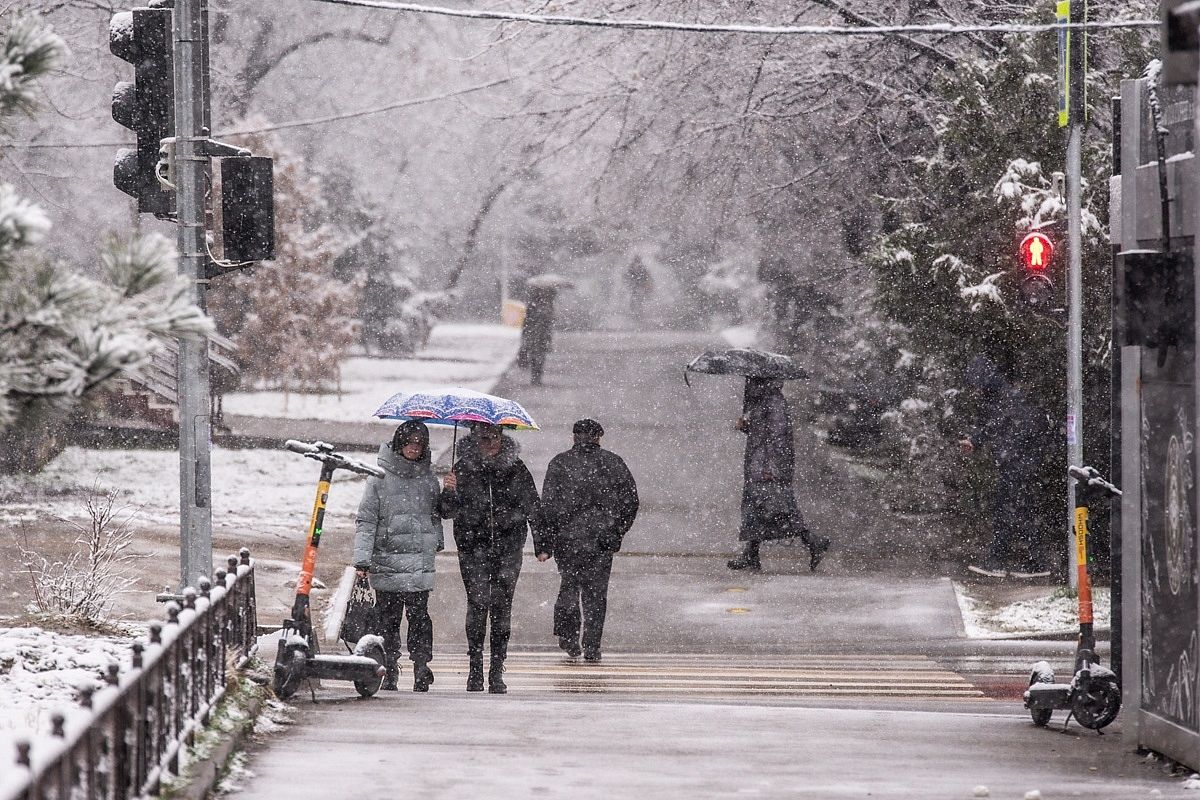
[588, 428]
[410, 429]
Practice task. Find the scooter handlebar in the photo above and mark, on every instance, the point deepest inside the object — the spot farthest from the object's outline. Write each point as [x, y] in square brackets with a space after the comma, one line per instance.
[1091, 477]
[305, 448]
[323, 452]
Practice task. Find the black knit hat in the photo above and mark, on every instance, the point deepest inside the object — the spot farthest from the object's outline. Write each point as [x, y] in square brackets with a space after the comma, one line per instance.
[588, 427]
[408, 431]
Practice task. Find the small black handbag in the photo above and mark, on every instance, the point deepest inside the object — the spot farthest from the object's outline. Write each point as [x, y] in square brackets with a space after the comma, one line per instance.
[360, 612]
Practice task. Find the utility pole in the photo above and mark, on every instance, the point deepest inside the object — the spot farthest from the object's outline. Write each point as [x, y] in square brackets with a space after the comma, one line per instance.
[191, 173]
[1073, 52]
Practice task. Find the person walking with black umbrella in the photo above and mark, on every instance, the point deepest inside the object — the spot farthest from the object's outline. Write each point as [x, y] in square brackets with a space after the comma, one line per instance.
[769, 509]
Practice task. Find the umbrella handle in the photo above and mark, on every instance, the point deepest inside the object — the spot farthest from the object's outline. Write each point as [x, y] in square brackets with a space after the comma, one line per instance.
[685, 378]
[454, 447]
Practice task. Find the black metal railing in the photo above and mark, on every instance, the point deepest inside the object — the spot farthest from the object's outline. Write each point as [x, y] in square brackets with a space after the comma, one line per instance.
[131, 730]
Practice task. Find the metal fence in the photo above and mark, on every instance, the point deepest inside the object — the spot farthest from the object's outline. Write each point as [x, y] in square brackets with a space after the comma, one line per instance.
[134, 727]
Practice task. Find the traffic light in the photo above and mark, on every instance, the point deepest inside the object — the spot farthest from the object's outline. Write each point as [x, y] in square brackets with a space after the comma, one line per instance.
[247, 219]
[1036, 253]
[147, 105]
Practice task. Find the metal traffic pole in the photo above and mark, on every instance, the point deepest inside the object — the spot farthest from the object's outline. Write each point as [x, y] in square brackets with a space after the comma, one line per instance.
[1075, 118]
[191, 168]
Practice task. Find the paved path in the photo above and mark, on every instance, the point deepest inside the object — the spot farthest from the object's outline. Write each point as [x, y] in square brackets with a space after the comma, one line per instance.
[845, 683]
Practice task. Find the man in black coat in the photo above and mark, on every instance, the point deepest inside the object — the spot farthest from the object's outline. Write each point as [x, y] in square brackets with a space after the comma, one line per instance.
[589, 502]
[1015, 430]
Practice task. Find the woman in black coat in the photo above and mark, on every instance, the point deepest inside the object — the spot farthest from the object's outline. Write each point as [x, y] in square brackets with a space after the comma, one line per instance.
[768, 500]
[494, 500]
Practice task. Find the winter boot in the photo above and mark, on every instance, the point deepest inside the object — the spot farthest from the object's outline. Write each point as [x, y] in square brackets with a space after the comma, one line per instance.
[817, 545]
[570, 645]
[475, 673]
[422, 676]
[747, 559]
[496, 678]
[390, 676]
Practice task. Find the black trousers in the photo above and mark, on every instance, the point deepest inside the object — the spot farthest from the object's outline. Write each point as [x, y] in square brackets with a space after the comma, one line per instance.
[1015, 541]
[582, 596]
[490, 579]
[390, 608]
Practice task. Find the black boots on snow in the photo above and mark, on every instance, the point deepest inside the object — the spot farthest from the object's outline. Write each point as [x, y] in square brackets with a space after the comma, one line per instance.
[475, 673]
[390, 677]
[817, 545]
[496, 678]
[422, 676]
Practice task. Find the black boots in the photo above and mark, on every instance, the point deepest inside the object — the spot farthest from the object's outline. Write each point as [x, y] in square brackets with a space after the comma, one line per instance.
[747, 559]
[496, 678]
[390, 676]
[422, 676]
[817, 545]
[475, 673]
[569, 645]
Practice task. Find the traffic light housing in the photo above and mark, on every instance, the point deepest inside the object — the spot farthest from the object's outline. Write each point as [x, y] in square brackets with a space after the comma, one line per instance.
[1035, 255]
[146, 105]
[247, 216]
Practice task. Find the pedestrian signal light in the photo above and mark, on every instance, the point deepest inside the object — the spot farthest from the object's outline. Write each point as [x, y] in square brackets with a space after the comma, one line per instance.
[1036, 252]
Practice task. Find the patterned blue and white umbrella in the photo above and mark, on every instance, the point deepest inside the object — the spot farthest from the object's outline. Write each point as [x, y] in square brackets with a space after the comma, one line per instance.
[450, 406]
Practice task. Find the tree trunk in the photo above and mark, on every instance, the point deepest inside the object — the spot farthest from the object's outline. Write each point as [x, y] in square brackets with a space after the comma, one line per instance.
[37, 435]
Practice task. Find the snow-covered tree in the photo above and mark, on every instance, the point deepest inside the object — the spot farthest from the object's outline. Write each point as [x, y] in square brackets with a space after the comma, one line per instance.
[64, 334]
[396, 311]
[945, 263]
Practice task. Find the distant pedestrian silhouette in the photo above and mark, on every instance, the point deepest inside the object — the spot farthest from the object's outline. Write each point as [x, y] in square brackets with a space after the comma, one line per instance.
[640, 283]
[537, 332]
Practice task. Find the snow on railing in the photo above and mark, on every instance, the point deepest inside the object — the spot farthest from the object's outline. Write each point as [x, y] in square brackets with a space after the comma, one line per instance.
[128, 735]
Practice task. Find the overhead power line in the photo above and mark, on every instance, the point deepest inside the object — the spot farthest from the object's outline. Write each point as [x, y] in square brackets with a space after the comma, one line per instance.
[278, 126]
[940, 29]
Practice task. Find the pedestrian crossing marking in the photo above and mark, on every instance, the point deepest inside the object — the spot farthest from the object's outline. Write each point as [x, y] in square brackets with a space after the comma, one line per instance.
[713, 676]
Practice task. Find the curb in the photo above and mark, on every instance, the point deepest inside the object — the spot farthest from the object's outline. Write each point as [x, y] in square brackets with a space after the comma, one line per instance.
[204, 775]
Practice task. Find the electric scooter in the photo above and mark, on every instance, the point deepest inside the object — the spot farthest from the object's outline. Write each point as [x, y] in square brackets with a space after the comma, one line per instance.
[298, 657]
[1093, 696]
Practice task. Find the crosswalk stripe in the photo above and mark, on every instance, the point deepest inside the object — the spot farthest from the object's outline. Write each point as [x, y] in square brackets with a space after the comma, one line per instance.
[710, 675]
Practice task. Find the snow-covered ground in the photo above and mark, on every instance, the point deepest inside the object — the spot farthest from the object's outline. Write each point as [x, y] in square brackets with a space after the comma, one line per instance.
[1051, 612]
[263, 490]
[472, 356]
[41, 672]
[255, 492]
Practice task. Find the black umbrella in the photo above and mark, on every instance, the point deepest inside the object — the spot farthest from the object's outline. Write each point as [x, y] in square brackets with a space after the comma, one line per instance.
[746, 361]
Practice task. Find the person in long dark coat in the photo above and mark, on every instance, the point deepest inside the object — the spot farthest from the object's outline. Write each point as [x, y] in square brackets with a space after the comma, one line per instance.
[1012, 428]
[589, 503]
[639, 282]
[537, 332]
[492, 504]
[398, 532]
[769, 509]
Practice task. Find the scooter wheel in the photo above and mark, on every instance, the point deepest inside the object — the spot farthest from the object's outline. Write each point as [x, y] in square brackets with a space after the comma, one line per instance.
[1099, 705]
[1041, 673]
[367, 688]
[289, 672]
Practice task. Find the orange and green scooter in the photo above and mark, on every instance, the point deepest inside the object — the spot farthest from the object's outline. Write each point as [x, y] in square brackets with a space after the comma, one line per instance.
[1093, 696]
[299, 657]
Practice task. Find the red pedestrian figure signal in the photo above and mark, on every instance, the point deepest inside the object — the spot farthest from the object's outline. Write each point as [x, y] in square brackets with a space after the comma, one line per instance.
[1036, 251]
